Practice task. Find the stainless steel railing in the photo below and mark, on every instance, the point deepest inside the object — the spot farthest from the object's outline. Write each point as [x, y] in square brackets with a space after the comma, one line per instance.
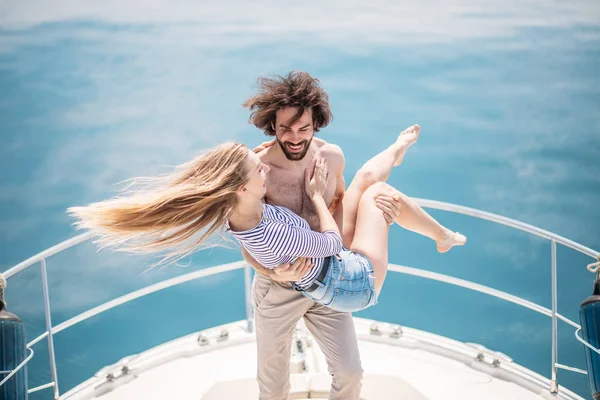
[553, 313]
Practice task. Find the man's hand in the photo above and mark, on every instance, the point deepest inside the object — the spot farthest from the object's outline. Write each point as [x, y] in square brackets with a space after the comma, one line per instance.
[263, 146]
[292, 272]
[390, 206]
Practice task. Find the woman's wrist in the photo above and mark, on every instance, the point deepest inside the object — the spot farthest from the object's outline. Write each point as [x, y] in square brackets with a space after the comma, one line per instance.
[317, 197]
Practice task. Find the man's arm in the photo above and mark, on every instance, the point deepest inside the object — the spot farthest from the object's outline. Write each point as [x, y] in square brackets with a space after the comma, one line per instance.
[254, 264]
[336, 163]
[337, 206]
[284, 273]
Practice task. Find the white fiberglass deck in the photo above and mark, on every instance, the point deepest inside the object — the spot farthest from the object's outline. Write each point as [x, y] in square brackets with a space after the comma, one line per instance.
[398, 363]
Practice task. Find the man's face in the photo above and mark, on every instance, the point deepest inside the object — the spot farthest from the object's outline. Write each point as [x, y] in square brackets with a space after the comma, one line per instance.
[294, 139]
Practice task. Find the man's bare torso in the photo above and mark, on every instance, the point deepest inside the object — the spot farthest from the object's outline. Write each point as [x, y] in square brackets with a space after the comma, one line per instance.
[285, 183]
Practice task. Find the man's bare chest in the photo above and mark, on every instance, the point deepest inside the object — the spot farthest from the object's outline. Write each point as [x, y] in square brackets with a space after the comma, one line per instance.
[287, 188]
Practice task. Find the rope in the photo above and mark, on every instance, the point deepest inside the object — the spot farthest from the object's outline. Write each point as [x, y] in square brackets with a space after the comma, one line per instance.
[2, 286]
[595, 268]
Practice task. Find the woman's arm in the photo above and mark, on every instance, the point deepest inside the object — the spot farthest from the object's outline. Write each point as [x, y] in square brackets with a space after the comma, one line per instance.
[286, 240]
[315, 188]
[326, 221]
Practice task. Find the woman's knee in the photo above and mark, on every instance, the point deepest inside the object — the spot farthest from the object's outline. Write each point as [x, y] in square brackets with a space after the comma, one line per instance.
[365, 177]
[381, 189]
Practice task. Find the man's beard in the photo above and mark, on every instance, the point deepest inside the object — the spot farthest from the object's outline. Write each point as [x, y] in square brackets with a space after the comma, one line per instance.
[295, 156]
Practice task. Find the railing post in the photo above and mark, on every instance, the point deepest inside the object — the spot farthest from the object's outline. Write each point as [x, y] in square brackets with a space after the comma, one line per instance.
[49, 329]
[248, 294]
[554, 381]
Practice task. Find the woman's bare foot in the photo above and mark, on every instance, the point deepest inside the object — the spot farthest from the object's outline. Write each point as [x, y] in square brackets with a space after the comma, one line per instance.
[406, 139]
[450, 240]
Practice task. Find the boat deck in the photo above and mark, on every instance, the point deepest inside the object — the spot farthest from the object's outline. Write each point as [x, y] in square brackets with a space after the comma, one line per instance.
[398, 363]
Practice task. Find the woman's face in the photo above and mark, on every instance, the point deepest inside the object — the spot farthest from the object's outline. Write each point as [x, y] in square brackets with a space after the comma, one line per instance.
[257, 176]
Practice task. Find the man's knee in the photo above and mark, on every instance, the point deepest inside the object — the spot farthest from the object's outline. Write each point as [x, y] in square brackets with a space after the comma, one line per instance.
[348, 376]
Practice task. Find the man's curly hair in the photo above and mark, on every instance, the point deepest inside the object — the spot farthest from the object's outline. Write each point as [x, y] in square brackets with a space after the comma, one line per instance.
[296, 89]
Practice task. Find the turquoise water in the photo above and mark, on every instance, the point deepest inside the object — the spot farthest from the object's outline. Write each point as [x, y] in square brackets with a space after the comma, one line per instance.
[508, 98]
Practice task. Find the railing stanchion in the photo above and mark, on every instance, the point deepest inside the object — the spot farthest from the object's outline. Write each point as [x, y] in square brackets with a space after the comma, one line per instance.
[53, 373]
[248, 294]
[554, 380]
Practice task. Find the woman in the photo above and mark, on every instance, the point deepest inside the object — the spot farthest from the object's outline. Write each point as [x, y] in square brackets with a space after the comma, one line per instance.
[225, 188]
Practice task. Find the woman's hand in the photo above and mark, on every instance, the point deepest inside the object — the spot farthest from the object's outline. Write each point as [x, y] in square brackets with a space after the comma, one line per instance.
[390, 206]
[316, 185]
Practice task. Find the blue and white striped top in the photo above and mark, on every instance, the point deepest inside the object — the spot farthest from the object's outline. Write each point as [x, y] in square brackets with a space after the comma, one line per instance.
[282, 236]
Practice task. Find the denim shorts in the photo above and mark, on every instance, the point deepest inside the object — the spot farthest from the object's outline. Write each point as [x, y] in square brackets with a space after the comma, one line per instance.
[349, 284]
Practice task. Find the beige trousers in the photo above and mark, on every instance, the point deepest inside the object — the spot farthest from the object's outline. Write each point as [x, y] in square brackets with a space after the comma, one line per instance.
[277, 309]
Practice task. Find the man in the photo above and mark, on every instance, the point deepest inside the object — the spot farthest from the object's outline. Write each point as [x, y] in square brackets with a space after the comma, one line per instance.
[293, 108]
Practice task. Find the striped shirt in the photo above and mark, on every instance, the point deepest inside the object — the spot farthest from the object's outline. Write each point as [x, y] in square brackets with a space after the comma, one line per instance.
[282, 236]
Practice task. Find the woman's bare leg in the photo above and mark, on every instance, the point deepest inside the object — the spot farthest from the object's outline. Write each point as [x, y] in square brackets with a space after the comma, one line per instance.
[371, 235]
[377, 169]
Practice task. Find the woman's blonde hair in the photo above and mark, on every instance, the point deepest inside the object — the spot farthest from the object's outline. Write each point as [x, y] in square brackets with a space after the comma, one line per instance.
[166, 212]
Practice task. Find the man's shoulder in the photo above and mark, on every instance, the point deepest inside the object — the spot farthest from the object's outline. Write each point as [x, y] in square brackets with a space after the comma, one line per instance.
[266, 155]
[332, 152]
[327, 147]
